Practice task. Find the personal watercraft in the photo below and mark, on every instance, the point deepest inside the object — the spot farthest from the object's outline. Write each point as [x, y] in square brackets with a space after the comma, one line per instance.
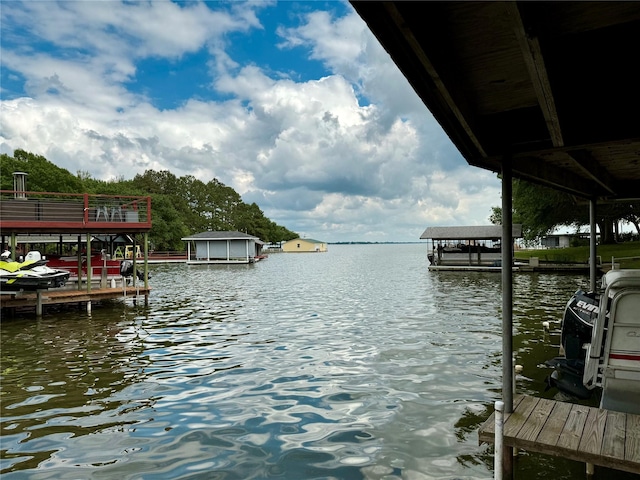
[30, 274]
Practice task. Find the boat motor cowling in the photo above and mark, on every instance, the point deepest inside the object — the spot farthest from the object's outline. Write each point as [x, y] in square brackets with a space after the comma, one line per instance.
[126, 270]
[577, 323]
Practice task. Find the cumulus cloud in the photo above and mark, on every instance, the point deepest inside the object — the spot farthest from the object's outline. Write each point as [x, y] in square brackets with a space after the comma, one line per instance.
[351, 154]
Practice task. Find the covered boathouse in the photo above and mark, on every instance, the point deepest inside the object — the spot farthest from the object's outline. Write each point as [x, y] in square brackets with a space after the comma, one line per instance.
[540, 91]
[26, 214]
[472, 248]
[223, 247]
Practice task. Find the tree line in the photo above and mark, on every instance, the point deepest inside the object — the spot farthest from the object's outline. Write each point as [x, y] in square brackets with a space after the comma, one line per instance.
[541, 209]
[181, 206]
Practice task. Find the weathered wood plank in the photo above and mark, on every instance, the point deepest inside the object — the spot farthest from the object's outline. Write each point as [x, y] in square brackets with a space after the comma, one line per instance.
[487, 431]
[537, 420]
[553, 428]
[614, 436]
[519, 416]
[632, 443]
[573, 427]
[576, 432]
[591, 441]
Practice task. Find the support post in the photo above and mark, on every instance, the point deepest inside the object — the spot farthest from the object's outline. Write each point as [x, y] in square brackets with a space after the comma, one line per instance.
[146, 260]
[498, 442]
[590, 470]
[79, 255]
[592, 245]
[89, 268]
[146, 268]
[507, 304]
[14, 246]
[39, 303]
[134, 256]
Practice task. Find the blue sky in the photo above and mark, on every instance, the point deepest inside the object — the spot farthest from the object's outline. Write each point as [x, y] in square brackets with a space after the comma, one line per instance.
[295, 105]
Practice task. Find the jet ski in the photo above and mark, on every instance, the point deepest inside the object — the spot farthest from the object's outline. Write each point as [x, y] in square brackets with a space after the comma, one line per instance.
[32, 273]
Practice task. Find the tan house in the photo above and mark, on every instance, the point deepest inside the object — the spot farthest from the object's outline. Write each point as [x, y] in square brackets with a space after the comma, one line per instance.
[304, 245]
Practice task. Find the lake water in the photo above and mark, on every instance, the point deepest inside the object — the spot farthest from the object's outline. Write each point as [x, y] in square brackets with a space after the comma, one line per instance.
[357, 363]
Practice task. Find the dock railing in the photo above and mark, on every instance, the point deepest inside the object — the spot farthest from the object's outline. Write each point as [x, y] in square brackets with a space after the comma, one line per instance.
[23, 211]
[616, 266]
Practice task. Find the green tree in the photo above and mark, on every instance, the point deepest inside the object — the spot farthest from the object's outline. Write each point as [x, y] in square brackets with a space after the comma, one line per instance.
[541, 209]
[42, 175]
[180, 205]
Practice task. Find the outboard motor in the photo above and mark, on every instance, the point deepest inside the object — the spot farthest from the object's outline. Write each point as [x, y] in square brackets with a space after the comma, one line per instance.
[126, 270]
[577, 325]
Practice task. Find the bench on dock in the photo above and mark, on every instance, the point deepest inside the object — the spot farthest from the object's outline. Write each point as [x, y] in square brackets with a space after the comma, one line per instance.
[586, 434]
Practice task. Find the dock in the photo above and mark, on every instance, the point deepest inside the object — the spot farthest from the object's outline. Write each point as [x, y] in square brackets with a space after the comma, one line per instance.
[585, 434]
[42, 298]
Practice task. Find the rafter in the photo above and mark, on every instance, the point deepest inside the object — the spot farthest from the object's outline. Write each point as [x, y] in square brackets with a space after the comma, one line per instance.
[592, 169]
[534, 59]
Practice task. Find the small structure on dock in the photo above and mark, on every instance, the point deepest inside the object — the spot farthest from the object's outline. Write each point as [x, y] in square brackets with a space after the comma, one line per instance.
[458, 247]
[223, 247]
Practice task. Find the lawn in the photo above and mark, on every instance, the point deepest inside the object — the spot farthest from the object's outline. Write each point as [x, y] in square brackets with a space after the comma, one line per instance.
[620, 251]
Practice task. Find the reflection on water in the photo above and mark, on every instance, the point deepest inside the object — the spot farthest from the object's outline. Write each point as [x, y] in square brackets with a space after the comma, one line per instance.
[357, 363]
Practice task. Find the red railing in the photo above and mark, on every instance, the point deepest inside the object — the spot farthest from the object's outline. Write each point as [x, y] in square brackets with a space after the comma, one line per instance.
[23, 212]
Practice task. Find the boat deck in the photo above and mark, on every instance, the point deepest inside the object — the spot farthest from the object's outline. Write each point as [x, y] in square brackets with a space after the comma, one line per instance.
[37, 300]
[577, 432]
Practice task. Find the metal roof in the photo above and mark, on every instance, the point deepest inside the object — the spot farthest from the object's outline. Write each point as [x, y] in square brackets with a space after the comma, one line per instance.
[222, 235]
[482, 232]
[549, 87]
[309, 240]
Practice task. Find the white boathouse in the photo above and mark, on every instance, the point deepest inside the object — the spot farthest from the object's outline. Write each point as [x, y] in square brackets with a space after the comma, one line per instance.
[223, 247]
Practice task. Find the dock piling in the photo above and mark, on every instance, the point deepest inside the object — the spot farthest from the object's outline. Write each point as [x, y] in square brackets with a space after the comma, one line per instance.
[499, 445]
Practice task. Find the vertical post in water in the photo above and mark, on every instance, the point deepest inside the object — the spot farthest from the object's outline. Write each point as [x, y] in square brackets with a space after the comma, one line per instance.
[507, 305]
[507, 287]
[498, 442]
[592, 245]
[39, 303]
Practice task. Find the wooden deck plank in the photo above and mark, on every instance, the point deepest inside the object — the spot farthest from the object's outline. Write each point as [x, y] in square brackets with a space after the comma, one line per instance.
[56, 297]
[519, 416]
[536, 421]
[632, 443]
[591, 441]
[614, 435]
[573, 428]
[576, 432]
[551, 431]
[487, 432]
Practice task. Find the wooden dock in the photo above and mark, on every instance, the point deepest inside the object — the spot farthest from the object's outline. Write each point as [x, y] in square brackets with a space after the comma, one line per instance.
[577, 432]
[38, 300]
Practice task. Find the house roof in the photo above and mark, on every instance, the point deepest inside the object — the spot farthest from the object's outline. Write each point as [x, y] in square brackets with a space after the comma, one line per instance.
[309, 240]
[222, 235]
[481, 232]
[548, 87]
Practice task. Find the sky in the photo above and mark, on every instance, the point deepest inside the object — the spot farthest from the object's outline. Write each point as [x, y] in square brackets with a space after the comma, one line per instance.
[295, 105]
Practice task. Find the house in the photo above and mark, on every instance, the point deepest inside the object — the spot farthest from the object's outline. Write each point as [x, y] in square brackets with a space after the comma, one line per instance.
[304, 245]
[564, 240]
[223, 247]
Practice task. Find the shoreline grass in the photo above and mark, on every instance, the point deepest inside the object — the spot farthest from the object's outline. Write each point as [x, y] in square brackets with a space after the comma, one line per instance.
[581, 254]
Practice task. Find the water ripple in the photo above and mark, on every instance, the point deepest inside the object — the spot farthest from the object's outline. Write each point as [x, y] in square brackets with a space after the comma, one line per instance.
[354, 364]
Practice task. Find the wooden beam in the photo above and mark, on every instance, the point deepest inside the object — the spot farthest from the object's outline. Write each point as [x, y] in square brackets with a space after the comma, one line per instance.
[534, 170]
[592, 169]
[433, 73]
[534, 60]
